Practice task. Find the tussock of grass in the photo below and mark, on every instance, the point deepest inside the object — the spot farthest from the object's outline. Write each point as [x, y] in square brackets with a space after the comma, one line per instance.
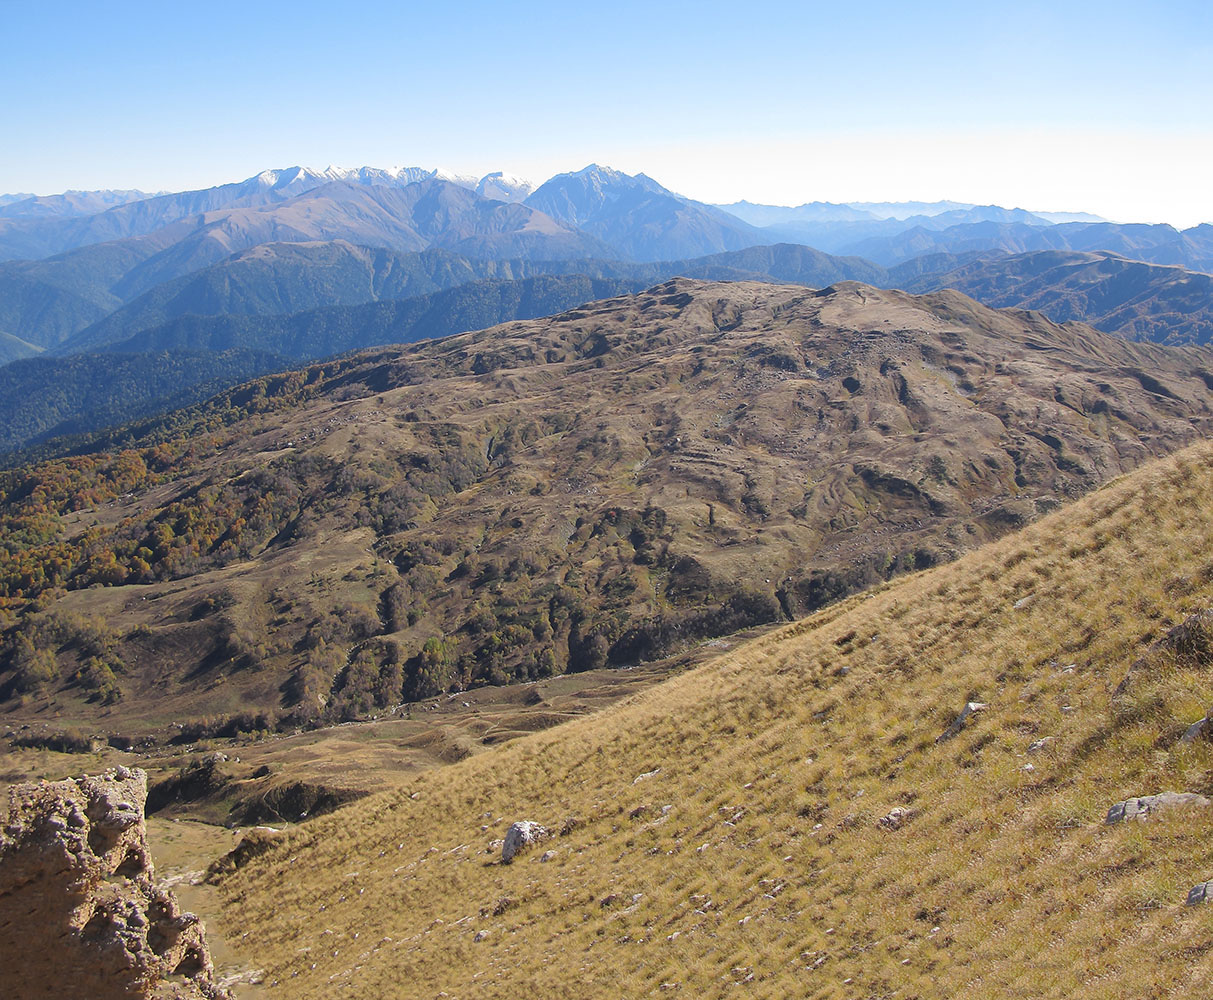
[769, 875]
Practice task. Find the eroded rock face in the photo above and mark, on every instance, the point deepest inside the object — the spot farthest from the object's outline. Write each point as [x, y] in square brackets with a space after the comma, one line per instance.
[78, 899]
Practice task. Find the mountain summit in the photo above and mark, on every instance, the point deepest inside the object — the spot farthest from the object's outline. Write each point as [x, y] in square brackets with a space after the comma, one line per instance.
[639, 218]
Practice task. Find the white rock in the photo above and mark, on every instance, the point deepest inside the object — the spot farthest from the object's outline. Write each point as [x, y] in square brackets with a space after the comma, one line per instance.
[1144, 806]
[520, 835]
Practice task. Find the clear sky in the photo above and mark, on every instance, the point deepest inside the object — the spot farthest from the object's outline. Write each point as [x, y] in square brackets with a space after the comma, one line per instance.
[1103, 106]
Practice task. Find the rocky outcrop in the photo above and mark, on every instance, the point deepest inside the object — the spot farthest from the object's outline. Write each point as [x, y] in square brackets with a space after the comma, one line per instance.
[520, 835]
[78, 900]
[1144, 806]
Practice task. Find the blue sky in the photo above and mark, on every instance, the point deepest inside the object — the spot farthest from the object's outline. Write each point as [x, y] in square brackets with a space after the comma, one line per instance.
[1103, 107]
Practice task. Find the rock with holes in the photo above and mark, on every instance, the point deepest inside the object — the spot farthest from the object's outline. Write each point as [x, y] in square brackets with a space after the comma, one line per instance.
[75, 870]
[1143, 807]
[961, 720]
[520, 835]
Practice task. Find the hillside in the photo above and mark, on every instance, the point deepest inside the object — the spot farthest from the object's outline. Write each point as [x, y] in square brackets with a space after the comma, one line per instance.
[1133, 299]
[195, 357]
[606, 486]
[786, 820]
[42, 398]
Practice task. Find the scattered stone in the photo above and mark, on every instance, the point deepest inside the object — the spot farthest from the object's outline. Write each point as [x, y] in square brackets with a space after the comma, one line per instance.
[959, 722]
[647, 774]
[1201, 893]
[1023, 602]
[480, 936]
[895, 818]
[1202, 729]
[1037, 745]
[547, 856]
[75, 870]
[1144, 806]
[520, 835]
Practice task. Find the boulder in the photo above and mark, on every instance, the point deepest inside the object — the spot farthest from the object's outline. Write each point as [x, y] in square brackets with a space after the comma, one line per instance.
[961, 720]
[1144, 806]
[520, 835]
[75, 870]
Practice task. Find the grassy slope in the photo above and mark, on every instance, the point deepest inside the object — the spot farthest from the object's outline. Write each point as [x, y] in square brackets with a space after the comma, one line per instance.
[1003, 882]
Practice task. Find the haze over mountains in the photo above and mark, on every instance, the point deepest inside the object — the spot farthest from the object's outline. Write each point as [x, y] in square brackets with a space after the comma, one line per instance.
[121, 271]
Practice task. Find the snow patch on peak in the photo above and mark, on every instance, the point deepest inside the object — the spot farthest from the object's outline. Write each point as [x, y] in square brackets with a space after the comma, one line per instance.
[292, 181]
[463, 180]
[500, 186]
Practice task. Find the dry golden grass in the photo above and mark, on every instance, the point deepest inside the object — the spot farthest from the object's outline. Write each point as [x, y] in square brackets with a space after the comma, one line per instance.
[769, 875]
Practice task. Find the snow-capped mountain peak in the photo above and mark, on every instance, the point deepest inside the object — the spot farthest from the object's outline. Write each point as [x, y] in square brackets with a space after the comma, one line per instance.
[498, 185]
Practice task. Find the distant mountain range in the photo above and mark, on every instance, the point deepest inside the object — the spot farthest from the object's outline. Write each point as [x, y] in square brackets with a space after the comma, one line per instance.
[297, 263]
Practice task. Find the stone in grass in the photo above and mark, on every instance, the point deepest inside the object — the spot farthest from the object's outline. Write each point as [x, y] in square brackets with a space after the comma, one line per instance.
[895, 818]
[1201, 729]
[959, 722]
[1201, 893]
[1142, 807]
[520, 835]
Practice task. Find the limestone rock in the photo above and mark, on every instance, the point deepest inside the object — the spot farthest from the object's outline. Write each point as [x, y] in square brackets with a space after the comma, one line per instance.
[520, 835]
[895, 818]
[959, 722]
[1144, 806]
[75, 870]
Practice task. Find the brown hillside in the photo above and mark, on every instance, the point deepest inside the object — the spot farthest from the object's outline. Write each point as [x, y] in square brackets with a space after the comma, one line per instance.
[793, 820]
[605, 486]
